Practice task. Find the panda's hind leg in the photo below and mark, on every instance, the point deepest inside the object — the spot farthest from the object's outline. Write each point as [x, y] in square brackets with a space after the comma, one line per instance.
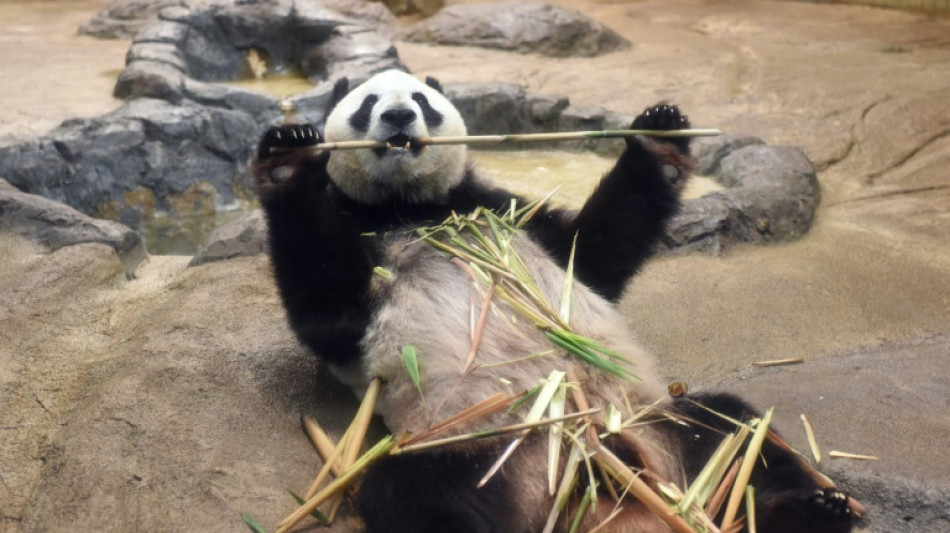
[788, 499]
[436, 492]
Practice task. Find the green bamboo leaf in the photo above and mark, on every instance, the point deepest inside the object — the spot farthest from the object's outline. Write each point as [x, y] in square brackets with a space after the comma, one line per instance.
[251, 523]
[383, 273]
[581, 511]
[565, 313]
[589, 357]
[524, 399]
[555, 410]
[411, 359]
[316, 512]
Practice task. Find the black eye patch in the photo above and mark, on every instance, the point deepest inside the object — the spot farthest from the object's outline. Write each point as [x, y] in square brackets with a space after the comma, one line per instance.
[431, 116]
[359, 121]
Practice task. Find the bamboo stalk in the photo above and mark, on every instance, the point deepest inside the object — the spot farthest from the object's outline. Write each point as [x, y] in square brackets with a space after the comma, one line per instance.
[812, 441]
[479, 330]
[321, 441]
[780, 362]
[846, 455]
[493, 432]
[383, 447]
[486, 407]
[514, 138]
[719, 497]
[354, 441]
[640, 489]
[745, 471]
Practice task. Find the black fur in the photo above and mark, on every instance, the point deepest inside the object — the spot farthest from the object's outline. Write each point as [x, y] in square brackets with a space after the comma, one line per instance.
[321, 254]
[340, 89]
[787, 498]
[436, 494]
[432, 117]
[435, 84]
[359, 121]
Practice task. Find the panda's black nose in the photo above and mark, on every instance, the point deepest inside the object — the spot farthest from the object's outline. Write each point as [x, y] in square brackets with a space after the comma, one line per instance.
[398, 117]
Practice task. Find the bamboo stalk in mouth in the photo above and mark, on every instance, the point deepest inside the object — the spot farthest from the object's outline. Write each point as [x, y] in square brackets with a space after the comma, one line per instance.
[512, 138]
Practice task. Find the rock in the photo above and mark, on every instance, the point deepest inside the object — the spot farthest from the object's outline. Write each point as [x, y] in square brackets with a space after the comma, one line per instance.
[243, 236]
[147, 157]
[519, 27]
[55, 225]
[771, 194]
[414, 7]
[181, 144]
[709, 151]
[210, 43]
[123, 19]
[489, 108]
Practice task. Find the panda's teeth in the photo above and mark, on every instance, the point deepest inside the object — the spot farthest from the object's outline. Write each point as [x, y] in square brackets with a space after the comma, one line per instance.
[389, 145]
[407, 147]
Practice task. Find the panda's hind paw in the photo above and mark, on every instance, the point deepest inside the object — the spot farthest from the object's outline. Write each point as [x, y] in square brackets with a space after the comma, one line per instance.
[286, 138]
[664, 117]
[832, 504]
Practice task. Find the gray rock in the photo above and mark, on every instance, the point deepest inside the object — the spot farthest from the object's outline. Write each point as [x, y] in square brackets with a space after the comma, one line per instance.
[56, 225]
[709, 151]
[519, 27]
[771, 194]
[243, 236]
[209, 42]
[504, 108]
[122, 19]
[148, 156]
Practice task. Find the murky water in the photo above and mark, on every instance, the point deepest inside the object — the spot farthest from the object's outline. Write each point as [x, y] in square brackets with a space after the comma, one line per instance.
[276, 85]
[535, 173]
[531, 173]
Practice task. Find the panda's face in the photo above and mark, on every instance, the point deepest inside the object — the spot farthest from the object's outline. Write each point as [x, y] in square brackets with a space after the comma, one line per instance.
[395, 108]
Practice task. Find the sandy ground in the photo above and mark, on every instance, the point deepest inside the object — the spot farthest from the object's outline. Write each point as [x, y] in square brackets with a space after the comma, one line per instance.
[864, 91]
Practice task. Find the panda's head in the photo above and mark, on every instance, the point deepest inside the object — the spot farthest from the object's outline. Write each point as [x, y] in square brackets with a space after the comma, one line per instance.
[398, 109]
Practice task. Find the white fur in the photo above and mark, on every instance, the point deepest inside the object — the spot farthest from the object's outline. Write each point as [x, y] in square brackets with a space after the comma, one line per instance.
[370, 179]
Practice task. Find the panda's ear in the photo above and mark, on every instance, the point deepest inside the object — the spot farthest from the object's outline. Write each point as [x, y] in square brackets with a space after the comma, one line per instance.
[340, 89]
[434, 83]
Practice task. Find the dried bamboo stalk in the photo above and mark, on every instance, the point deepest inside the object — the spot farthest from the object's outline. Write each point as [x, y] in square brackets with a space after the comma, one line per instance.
[719, 497]
[321, 441]
[355, 436]
[493, 432]
[514, 138]
[781, 362]
[486, 407]
[812, 441]
[745, 470]
[846, 455]
[639, 489]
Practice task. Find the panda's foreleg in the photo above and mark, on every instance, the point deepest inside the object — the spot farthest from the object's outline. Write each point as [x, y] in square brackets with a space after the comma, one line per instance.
[624, 219]
[322, 266]
[436, 492]
[788, 499]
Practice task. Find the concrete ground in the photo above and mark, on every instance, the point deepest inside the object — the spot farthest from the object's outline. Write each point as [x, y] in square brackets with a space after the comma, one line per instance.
[864, 298]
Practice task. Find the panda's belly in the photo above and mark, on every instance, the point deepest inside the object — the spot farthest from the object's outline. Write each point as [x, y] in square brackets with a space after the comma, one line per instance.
[432, 303]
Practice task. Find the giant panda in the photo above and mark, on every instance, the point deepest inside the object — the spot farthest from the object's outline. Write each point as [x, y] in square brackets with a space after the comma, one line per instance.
[334, 217]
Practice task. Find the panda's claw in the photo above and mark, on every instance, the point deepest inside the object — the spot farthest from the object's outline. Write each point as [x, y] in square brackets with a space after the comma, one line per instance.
[832, 504]
[287, 137]
[664, 117]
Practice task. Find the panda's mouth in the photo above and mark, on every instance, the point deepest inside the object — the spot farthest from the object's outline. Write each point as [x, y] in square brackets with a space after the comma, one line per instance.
[400, 144]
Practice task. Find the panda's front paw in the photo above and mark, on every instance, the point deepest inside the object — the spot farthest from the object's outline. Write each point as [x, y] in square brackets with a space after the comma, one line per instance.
[286, 138]
[664, 117]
